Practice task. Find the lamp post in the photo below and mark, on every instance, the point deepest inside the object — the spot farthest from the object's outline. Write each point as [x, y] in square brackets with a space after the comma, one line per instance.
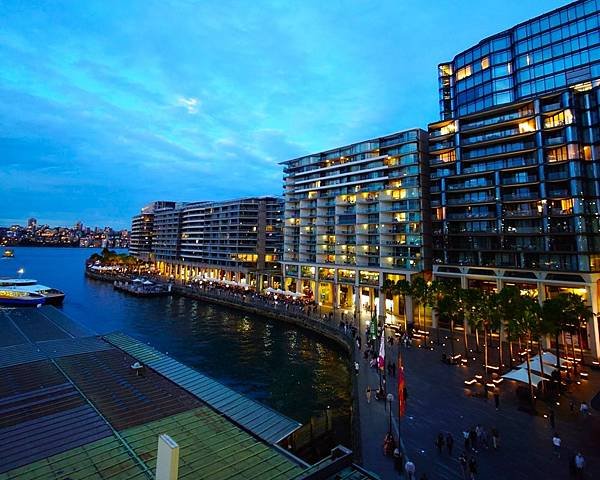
[390, 399]
[389, 443]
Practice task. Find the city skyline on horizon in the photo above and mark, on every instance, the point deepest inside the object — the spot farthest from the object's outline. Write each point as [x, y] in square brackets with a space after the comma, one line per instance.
[110, 122]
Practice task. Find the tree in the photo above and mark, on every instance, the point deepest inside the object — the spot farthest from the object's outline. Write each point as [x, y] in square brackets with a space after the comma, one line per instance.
[576, 313]
[404, 288]
[448, 306]
[527, 324]
[434, 292]
[419, 293]
[509, 305]
[553, 318]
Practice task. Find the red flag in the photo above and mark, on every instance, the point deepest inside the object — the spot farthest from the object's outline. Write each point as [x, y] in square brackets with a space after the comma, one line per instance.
[401, 386]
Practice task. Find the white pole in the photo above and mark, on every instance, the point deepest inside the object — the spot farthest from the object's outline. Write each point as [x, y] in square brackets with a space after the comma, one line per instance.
[167, 461]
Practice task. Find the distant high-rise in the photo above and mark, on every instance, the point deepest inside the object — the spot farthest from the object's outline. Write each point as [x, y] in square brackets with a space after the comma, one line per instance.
[31, 223]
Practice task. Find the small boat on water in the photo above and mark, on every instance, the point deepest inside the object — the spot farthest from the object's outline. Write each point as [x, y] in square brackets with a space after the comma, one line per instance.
[51, 296]
[8, 253]
[17, 298]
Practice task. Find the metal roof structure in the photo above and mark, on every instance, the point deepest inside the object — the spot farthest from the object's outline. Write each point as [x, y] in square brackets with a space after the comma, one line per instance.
[72, 407]
[262, 421]
[211, 447]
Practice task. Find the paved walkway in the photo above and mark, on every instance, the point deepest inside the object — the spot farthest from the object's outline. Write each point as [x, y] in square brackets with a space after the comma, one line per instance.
[438, 401]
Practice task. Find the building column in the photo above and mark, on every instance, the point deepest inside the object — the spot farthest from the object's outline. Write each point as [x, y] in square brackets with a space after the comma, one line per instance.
[464, 283]
[357, 300]
[381, 307]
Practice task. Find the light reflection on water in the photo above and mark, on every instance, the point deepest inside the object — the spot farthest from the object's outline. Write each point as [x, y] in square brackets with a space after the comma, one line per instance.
[290, 370]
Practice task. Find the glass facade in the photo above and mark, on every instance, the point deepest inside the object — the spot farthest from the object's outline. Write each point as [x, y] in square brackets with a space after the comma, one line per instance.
[553, 51]
[515, 160]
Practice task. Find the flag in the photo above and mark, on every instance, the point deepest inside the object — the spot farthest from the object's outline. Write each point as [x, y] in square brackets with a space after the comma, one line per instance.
[401, 388]
[381, 358]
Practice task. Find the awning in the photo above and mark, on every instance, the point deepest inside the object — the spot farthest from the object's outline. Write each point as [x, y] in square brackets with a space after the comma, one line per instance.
[520, 375]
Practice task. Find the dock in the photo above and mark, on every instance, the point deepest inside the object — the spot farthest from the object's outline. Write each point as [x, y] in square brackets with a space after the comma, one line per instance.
[74, 405]
[143, 288]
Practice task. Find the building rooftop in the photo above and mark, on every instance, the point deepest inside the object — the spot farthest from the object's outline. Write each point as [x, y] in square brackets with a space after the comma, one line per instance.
[72, 407]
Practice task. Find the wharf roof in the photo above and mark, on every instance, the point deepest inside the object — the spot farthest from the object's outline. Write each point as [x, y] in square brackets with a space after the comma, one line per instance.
[264, 422]
[72, 407]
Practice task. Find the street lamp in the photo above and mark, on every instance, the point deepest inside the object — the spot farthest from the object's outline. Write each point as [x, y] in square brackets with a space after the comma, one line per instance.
[390, 399]
[389, 443]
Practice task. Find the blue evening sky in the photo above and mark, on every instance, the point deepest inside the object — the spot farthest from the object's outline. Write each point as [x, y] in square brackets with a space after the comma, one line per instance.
[106, 105]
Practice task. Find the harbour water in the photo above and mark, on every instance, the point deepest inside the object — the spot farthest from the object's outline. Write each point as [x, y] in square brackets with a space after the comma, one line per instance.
[291, 370]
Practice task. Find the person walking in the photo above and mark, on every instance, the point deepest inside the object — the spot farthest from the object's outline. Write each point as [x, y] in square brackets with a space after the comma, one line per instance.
[467, 439]
[409, 468]
[473, 439]
[439, 442]
[449, 443]
[472, 467]
[584, 409]
[368, 394]
[497, 399]
[552, 419]
[462, 460]
[495, 438]
[398, 461]
[556, 441]
[579, 465]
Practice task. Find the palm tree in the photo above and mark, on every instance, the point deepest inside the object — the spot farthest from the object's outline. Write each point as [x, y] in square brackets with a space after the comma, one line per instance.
[448, 306]
[435, 291]
[404, 287]
[553, 318]
[509, 304]
[576, 313]
[419, 293]
[529, 324]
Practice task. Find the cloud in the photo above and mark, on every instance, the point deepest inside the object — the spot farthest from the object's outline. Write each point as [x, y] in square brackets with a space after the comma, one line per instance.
[92, 93]
[191, 104]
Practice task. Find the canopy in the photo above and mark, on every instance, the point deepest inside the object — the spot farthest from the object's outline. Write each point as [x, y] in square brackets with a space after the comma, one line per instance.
[549, 361]
[148, 282]
[270, 290]
[520, 375]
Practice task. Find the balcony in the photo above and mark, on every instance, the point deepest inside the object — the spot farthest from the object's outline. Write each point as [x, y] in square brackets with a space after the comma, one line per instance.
[469, 200]
[520, 196]
[519, 179]
[471, 185]
[521, 213]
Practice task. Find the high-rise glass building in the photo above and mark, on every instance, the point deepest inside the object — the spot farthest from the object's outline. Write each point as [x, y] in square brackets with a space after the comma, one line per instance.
[354, 219]
[515, 160]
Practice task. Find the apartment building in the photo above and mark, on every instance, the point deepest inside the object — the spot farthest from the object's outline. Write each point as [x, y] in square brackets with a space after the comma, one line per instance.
[354, 218]
[238, 240]
[142, 230]
[515, 160]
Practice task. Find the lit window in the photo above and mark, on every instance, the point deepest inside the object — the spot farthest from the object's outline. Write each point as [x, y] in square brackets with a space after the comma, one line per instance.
[463, 72]
[485, 63]
[526, 127]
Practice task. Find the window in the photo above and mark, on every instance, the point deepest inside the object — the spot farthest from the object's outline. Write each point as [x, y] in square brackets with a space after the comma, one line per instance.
[485, 63]
[463, 72]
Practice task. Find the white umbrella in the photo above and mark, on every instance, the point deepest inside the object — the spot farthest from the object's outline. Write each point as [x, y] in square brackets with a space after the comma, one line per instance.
[148, 282]
[137, 280]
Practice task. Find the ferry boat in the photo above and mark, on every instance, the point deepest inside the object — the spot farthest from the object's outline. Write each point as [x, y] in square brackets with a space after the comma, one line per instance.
[51, 296]
[8, 253]
[10, 297]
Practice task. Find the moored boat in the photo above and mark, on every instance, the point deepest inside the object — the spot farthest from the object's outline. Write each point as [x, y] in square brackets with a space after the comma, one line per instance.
[52, 296]
[16, 298]
[8, 253]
